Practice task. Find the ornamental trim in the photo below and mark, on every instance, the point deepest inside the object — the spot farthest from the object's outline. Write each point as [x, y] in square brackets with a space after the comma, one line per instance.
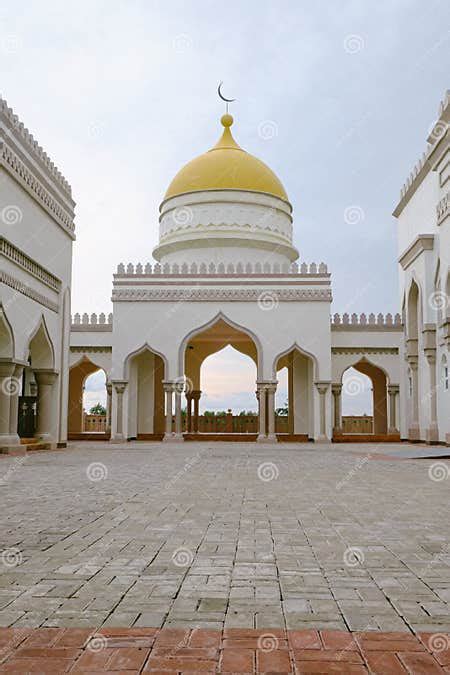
[218, 294]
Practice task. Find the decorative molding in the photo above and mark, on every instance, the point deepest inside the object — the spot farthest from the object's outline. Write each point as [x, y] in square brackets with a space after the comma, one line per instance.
[365, 350]
[11, 163]
[17, 256]
[220, 270]
[364, 322]
[90, 350]
[423, 242]
[17, 128]
[20, 287]
[443, 208]
[217, 294]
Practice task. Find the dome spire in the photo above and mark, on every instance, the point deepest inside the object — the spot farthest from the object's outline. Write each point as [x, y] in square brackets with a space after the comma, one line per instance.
[227, 100]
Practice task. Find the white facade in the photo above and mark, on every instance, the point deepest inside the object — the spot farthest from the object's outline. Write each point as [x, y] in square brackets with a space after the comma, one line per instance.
[226, 273]
[36, 235]
[423, 215]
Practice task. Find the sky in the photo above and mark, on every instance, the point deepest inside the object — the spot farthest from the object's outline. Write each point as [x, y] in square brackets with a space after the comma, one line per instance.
[122, 94]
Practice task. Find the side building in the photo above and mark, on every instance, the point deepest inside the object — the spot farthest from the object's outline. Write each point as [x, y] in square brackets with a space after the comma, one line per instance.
[36, 238]
[423, 224]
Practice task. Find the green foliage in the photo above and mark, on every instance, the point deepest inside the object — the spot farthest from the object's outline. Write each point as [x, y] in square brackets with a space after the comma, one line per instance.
[97, 409]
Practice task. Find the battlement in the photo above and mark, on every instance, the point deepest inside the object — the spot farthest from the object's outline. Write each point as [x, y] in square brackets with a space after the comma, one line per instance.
[100, 322]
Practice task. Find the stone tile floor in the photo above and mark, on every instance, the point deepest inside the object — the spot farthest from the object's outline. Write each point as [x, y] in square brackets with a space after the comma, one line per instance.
[227, 536]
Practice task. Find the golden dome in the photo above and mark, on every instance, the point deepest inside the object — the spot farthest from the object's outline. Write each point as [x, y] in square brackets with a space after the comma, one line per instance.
[226, 167]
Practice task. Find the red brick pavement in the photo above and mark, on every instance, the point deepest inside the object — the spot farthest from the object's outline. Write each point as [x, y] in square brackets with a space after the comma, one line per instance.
[152, 650]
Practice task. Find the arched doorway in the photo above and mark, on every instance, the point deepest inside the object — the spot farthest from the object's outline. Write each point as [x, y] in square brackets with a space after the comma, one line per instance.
[145, 371]
[39, 384]
[364, 400]
[196, 349]
[79, 425]
[10, 385]
[299, 425]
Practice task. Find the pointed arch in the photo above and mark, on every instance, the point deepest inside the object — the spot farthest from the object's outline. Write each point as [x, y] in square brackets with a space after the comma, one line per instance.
[7, 346]
[413, 308]
[220, 316]
[363, 359]
[141, 350]
[296, 347]
[40, 347]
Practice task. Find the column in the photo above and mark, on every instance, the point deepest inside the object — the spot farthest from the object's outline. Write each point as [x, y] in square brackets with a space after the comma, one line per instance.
[393, 390]
[108, 407]
[6, 372]
[261, 396]
[188, 411]
[432, 433]
[337, 392]
[196, 393]
[168, 388]
[322, 388]
[179, 386]
[271, 389]
[45, 408]
[414, 429]
[14, 403]
[119, 388]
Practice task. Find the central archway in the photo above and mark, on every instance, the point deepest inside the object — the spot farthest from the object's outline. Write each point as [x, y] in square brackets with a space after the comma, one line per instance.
[196, 348]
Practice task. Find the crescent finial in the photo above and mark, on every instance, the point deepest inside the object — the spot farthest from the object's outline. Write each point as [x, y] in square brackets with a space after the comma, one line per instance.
[227, 100]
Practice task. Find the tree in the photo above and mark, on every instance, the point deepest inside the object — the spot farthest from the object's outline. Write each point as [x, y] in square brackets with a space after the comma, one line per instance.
[284, 411]
[97, 409]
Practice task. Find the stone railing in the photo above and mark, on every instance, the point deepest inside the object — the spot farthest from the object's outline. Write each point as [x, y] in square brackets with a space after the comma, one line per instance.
[84, 320]
[19, 128]
[362, 320]
[220, 269]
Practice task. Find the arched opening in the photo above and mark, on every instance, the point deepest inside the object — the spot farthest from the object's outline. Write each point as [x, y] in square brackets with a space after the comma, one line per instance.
[296, 368]
[222, 339]
[87, 386]
[38, 402]
[146, 414]
[364, 396]
[357, 402]
[412, 355]
[9, 385]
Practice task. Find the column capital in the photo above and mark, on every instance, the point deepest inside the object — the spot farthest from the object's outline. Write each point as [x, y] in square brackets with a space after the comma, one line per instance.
[393, 388]
[430, 355]
[322, 386]
[109, 388]
[336, 389]
[119, 385]
[195, 394]
[45, 376]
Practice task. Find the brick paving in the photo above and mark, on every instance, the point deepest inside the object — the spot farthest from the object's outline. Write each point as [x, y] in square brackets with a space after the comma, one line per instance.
[234, 650]
[225, 536]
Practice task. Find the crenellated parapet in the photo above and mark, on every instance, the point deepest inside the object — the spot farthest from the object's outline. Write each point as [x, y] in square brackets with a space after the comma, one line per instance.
[364, 321]
[423, 165]
[13, 123]
[211, 269]
[92, 322]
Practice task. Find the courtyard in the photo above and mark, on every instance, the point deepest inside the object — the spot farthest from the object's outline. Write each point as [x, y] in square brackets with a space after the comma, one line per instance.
[226, 539]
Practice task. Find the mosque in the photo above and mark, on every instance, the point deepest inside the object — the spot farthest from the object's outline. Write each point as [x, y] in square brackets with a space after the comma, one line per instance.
[225, 272]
